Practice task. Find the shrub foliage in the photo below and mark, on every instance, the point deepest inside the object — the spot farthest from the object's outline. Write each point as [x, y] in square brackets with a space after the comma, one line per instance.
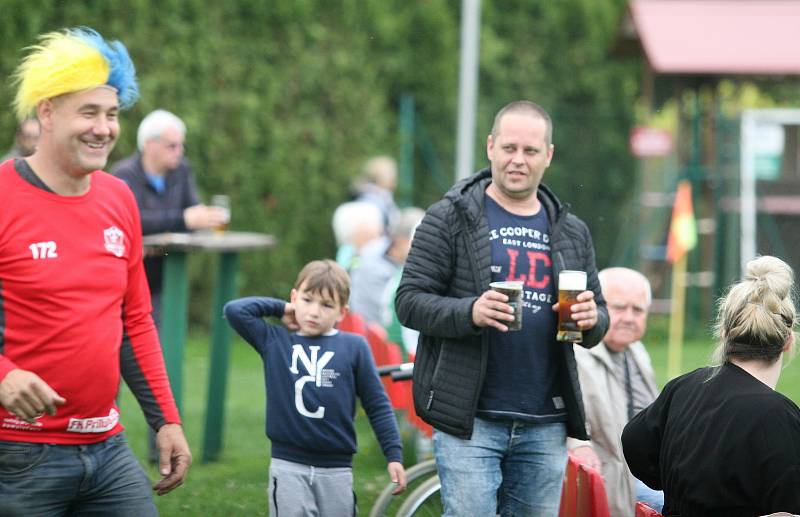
[284, 100]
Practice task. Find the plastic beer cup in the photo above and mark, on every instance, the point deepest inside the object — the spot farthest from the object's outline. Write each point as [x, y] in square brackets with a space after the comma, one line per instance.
[514, 292]
[222, 201]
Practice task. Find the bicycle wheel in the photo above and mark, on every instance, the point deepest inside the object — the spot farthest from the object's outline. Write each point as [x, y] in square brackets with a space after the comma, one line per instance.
[387, 504]
[424, 501]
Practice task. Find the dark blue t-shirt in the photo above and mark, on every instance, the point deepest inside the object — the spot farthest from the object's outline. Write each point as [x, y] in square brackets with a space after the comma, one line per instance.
[523, 368]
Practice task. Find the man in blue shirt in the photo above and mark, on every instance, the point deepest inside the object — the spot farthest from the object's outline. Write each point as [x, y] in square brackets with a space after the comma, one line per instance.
[165, 190]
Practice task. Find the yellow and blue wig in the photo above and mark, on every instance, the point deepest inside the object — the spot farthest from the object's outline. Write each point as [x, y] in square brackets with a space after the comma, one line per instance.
[73, 60]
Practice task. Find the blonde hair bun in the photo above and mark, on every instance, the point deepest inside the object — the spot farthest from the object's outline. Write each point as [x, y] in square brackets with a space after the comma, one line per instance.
[757, 315]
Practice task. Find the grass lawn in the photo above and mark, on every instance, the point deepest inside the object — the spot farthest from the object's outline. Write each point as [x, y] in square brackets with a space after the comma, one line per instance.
[236, 484]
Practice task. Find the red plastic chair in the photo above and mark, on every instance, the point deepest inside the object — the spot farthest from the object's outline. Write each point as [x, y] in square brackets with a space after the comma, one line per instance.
[397, 390]
[376, 337]
[584, 492]
[569, 492]
[642, 510]
[354, 323]
[591, 481]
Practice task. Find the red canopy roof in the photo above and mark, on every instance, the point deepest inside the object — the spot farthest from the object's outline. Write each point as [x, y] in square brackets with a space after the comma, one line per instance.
[757, 37]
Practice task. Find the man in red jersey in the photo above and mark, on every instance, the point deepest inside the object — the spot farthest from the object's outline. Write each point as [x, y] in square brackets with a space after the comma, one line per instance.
[71, 283]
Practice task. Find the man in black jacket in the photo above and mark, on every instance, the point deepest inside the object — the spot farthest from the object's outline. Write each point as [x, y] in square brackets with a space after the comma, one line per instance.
[502, 403]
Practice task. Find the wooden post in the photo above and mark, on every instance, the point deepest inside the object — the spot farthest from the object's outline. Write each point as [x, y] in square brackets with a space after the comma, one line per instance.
[675, 351]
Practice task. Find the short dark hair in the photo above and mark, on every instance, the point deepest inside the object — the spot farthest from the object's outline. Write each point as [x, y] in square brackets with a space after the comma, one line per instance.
[525, 107]
[325, 277]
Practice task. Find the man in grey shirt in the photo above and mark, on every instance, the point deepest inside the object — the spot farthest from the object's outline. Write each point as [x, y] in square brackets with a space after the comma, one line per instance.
[617, 381]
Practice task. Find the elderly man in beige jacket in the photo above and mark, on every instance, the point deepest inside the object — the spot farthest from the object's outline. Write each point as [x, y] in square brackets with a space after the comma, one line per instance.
[617, 381]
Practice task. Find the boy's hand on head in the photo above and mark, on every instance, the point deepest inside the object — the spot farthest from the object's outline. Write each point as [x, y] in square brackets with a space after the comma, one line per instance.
[288, 319]
[398, 475]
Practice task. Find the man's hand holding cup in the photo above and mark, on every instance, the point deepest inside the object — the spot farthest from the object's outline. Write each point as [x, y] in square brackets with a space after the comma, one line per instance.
[577, 310]
[499, 307]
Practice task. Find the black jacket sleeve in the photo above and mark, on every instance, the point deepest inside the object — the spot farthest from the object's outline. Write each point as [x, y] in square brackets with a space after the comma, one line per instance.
[424, 300]
[594, 335]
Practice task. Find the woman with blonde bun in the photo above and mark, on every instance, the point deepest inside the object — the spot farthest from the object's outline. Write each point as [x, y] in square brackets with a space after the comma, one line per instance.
[720, 441]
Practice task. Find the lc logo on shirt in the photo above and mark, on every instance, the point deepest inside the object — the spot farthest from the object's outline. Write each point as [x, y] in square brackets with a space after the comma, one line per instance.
[314, 366]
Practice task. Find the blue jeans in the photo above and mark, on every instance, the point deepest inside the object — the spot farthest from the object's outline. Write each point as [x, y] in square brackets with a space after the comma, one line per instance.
[507, 468]
[653, 498]
[56, 480]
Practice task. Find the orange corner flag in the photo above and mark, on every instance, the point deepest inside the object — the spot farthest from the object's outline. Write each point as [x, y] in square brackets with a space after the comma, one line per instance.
[682, 228]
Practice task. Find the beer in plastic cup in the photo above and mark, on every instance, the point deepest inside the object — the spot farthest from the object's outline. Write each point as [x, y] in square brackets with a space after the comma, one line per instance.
[570, 285]
[514, 292]
[224, 202]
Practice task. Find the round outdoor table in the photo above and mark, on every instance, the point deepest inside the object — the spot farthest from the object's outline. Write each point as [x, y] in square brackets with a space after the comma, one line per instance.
[174, 314]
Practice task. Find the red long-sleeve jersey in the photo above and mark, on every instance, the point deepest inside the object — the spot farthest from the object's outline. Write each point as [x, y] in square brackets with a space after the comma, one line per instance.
[71, 281]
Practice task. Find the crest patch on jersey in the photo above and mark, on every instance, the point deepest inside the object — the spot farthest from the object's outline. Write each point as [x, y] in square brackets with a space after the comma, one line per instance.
[114, 240]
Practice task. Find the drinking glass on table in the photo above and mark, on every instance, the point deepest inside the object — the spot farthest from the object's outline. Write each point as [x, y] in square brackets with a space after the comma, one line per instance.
[224, 202]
